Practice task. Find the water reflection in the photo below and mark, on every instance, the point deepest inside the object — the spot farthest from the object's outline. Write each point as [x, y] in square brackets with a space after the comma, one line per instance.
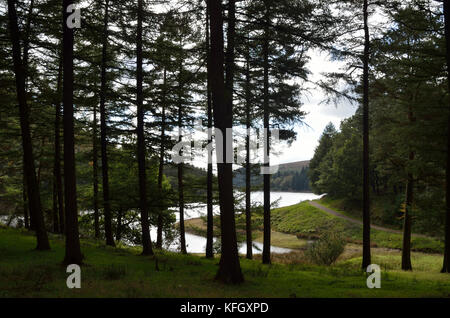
[197, 244]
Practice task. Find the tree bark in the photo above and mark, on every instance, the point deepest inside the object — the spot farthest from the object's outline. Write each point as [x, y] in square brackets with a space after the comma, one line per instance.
[446, 263]
[146, 240]
[73, 252]
[55, 209]
[103, 133]
[248, 212]
[229, 266]
[366, 260]
[24, 197]
[406, 250]
[161, 160]
[58, 200]
[95, 173]
[181, 206]
[209, 175]
[266, 178]
[30, 173]
[180, 165]
[26, 45]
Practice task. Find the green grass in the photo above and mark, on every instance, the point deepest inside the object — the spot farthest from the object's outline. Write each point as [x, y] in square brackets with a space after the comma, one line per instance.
[306, 221]
[122, 272]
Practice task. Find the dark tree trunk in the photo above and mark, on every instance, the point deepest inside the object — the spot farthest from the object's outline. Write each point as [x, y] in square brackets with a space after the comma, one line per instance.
[209, 175]
[406, 250]
[103, 133]
[25, 68]
[248, 212]
[73, 252]
[57, 178]
[181, 205]
[55, 210]
[24, 196]
[161, 161]
[146, 240]
[266, 178]
[26, 44]
[229, 266]
[32, 185]
[40, 159]
[446, 264]
[95, 173]
[366, 260]
[180, 166]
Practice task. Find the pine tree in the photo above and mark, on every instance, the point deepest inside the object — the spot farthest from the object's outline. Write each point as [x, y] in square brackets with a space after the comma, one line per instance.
[73, 252]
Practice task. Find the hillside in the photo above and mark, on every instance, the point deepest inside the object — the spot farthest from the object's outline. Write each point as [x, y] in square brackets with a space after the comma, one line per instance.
[292, 176]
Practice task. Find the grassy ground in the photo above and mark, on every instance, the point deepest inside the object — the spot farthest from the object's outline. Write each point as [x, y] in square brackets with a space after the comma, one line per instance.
[197, 226]
[293, 225]
[307, 221]
[122, 272]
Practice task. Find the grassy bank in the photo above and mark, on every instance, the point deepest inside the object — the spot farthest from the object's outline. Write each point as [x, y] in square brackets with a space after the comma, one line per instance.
[306, 221]
[122, 272]
[293, 225]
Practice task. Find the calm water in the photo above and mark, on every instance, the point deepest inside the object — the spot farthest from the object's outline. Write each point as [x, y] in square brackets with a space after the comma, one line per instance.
[197, 244]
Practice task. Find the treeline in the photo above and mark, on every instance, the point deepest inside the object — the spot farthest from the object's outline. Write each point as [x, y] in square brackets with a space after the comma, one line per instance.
[295, 180]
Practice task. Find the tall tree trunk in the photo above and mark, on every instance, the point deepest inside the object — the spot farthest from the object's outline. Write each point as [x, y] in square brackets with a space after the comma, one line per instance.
[209, 173]
[146, 240]
[446, 263]
[161, 161]
[57, 178]
[95, 173]
[266, 186]
[26, 45]
[181, 206]
[248, 212]
[406, 250]
[41, 159]
[32, 185]
[366, 260]
[73, 252]
[229, 266]
[180, 165]
[24, 197]
[55, 210]
[103, 133]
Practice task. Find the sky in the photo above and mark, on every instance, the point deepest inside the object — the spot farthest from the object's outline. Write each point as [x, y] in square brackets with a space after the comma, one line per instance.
[318, 114]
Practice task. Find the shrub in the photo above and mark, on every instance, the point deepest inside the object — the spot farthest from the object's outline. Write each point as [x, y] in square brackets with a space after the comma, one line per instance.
[327, 249]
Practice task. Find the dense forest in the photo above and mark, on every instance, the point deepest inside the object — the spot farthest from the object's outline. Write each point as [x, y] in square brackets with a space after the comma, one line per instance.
[289, 177]
[407, 129]
[94, 100]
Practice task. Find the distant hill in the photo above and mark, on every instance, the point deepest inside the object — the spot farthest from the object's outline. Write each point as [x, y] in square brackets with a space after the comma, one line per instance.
[292, 176]
[298, 165]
